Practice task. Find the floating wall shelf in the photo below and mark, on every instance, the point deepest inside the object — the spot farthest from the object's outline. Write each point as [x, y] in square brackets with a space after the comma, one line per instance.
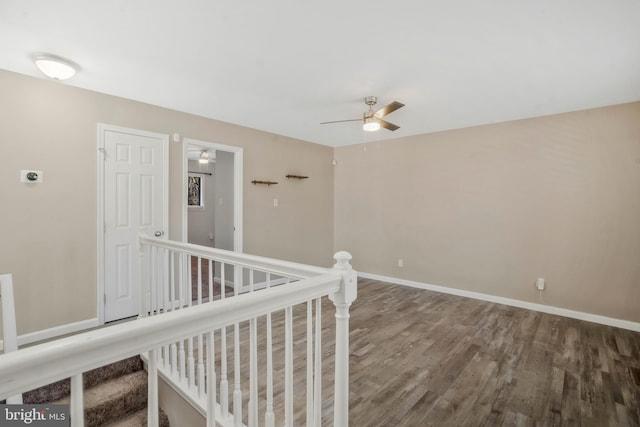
[297, 176]
[255, 181]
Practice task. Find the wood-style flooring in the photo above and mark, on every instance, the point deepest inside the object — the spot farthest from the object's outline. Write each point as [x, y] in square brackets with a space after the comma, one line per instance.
[421, 358]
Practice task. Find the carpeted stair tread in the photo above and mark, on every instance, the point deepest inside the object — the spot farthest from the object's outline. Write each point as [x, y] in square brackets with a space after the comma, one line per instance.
[139, 419]
[118, 397]
[61, 389]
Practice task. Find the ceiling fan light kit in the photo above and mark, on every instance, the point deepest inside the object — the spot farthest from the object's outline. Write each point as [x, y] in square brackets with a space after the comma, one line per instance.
[206, 157]
[372, 120]
[370, 124]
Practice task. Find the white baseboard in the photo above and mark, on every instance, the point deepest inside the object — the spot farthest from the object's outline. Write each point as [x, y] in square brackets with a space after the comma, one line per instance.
[54, 332]
[609, 321]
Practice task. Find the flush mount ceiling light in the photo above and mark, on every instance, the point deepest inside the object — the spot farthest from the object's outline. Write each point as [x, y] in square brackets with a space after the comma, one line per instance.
[371, 124]
[55, 67]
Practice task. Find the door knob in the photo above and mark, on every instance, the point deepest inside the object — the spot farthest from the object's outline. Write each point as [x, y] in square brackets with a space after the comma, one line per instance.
[158, 233]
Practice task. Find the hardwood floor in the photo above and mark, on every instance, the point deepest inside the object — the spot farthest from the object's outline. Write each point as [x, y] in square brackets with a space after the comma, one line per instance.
[420, 358]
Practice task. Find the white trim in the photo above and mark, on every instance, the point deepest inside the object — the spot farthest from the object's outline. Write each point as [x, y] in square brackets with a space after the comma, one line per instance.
[595, 318]
[237, 186]
[56, 331]
[101, 128]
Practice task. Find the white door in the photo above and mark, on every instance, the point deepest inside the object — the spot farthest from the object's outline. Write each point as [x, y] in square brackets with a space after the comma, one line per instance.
[135, 200]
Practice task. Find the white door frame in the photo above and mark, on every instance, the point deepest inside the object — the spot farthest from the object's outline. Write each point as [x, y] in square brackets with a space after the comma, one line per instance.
[102, 128]
[237, 186]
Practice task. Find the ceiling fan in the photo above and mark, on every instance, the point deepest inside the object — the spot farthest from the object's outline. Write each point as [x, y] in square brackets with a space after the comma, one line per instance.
[372, 120]
[201, 155]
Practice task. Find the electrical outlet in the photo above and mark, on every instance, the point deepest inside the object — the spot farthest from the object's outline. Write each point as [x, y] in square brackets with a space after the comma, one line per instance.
[400, 263]
[540, 284]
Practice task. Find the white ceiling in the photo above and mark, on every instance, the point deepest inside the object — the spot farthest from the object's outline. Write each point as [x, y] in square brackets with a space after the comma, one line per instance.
[284, 66]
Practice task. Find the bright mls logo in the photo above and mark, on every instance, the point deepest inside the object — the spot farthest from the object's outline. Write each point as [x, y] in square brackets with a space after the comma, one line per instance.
[34, 415]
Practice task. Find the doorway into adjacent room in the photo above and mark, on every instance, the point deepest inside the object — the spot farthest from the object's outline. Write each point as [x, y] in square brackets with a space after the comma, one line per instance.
[212, 201]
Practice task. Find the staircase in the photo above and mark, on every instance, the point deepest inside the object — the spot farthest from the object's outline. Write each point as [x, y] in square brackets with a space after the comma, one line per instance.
[114, 395]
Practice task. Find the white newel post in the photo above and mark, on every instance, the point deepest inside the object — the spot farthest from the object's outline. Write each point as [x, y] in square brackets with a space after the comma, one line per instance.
[342, 300]
[9, 327]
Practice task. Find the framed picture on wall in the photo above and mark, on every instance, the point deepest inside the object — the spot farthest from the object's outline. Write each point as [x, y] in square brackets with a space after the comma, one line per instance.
[195, 192]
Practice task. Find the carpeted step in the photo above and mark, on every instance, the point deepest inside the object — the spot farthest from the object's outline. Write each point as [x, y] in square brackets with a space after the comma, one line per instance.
[138, 419]
[61, 389]
[114, 399]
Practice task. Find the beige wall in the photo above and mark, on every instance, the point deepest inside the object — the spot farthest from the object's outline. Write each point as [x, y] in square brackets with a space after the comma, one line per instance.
[490, 209]
[486, 209]
[48, 231]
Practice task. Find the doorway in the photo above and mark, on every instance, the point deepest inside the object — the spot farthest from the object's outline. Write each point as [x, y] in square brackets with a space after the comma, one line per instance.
[212, 205]
[217, 212]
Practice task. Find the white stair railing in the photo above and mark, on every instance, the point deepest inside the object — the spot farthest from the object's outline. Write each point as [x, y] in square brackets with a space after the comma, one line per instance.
[191, 276]
[254, 336]
[32, 367]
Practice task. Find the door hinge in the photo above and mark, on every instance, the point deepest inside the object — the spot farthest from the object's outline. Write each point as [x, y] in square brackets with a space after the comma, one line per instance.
[105, 298]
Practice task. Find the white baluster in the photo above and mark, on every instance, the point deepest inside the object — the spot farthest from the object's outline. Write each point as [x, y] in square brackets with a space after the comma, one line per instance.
[317, 394]
[166, 302]
[76, 408]
[212, 266]
[237, 390]
[152, 394]
[189, 295]
[288, 368]
[253, 371]
[211, 380]
[223, 283]
[224, 383]
[157, 280]
[199, 281]
[172, 281]
[173, 349]
[153, 280]
[310, 363]
[142, 275]
[182, 362]
[201, 374]
[269, 420]
[182, 275]
[165, 282]
[191, 364]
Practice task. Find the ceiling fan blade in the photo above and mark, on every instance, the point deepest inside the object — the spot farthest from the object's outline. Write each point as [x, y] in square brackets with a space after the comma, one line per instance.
[388, 109]
[389, 126]
[340, 121]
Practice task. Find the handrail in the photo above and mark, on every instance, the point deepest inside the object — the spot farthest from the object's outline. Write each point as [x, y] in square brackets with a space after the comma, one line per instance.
[268, 265]
[42, 364]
